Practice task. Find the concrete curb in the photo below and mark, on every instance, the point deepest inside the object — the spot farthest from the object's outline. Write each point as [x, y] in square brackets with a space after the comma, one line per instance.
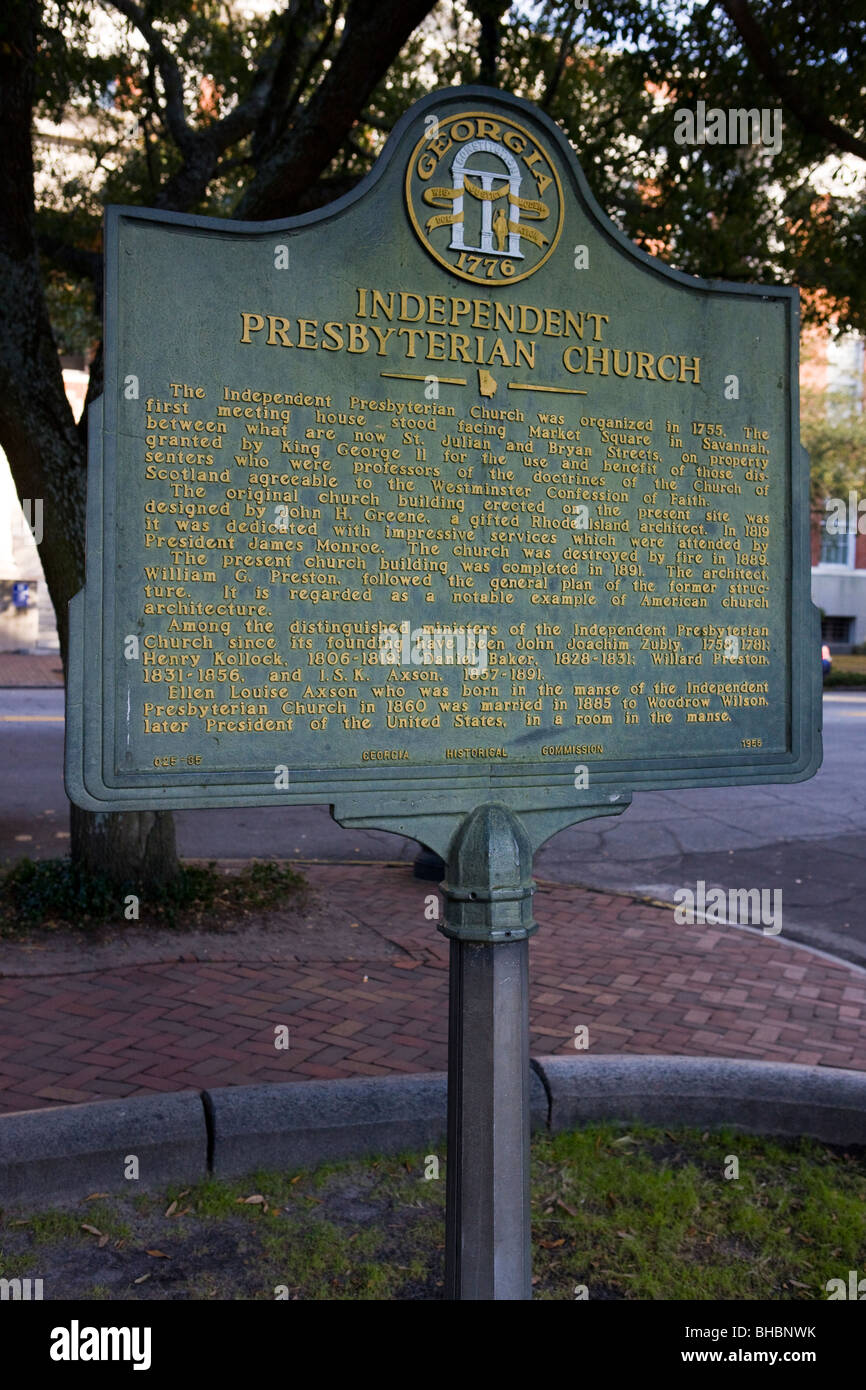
[824, 1103]
[299, 1125]
[67, 1152]
[70, 1151]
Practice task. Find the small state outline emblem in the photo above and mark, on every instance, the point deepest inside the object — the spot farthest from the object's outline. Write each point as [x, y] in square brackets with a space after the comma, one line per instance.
[484, 197]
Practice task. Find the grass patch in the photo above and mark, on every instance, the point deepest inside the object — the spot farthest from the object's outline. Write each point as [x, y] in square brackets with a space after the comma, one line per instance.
[652, 1216]
[846, 670]
[15, 1266]
[59, 893]
[48, 1226]
[626, 1214]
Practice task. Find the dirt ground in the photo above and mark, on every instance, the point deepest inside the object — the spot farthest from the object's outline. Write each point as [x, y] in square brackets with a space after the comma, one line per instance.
[369, 1231]
[617, 1213]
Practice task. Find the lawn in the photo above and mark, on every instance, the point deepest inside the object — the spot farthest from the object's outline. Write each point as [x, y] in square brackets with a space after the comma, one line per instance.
[618, 1213]
[846, 670]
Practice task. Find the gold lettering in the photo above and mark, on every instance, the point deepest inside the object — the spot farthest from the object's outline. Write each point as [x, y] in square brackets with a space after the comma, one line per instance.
[251, 323]
[358, 338]
[543, 180]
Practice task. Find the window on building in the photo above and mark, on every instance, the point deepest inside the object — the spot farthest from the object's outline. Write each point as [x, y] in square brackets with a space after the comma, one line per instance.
[836, 631]
[837, 547]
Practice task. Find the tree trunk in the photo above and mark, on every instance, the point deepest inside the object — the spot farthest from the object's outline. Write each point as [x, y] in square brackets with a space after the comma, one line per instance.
[47, 454]
[135, 849]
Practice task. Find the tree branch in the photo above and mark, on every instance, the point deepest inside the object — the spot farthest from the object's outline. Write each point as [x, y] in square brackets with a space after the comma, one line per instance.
[374, 32]
[295, 44]
[175, 117]
[77, 260]
[201, 149]
[566, 44]
[489, 15]
[787, 88]
[205, 147]
[315, 56]
[375, 124]
[37, 430]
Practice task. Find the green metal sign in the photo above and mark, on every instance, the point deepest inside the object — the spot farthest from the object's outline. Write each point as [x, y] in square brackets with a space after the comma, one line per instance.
[444, 494]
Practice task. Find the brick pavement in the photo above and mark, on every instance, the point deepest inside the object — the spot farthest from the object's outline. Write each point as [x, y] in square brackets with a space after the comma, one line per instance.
[623, 967]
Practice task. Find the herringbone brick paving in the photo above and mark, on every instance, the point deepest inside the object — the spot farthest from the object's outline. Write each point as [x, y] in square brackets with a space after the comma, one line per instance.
[638, 980]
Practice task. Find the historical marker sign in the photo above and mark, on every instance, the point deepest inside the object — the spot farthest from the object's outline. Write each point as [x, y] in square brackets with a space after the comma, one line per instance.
[435, 496]
[441, 505]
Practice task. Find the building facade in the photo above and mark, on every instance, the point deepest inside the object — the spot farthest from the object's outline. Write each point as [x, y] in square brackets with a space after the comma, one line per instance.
[837, 367]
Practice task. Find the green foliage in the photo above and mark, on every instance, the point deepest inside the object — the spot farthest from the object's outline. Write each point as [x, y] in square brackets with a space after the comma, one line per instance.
[733, 212]
[73, 317]
[15, 1266]
[833, 431]
[32, 891]
[857, 679]
[849, 668]
[49, 1226]
[50, 891]
[612, 74]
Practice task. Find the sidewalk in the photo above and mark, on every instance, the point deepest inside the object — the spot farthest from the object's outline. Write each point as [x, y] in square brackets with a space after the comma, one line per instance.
[25, 669]
[638, 980]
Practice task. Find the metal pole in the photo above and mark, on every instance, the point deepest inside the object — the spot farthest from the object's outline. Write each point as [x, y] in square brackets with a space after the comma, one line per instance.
[488, 916]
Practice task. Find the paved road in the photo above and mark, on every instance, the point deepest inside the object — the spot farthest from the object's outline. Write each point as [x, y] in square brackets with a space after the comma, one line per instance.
[809, 839]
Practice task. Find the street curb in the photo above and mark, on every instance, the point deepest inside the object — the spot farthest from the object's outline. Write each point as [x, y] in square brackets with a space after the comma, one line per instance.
[824, 1103]
[65, 1153]
[302, 1124]
[70, 1151]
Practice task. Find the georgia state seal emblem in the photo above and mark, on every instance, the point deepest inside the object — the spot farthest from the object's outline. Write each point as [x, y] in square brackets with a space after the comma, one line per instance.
[484, 197]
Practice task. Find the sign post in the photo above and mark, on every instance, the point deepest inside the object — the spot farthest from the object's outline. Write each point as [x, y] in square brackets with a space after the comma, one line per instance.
[488, 917]
[448, 507]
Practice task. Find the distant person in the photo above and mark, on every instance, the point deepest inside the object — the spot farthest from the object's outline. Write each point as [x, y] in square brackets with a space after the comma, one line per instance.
[826, 662]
